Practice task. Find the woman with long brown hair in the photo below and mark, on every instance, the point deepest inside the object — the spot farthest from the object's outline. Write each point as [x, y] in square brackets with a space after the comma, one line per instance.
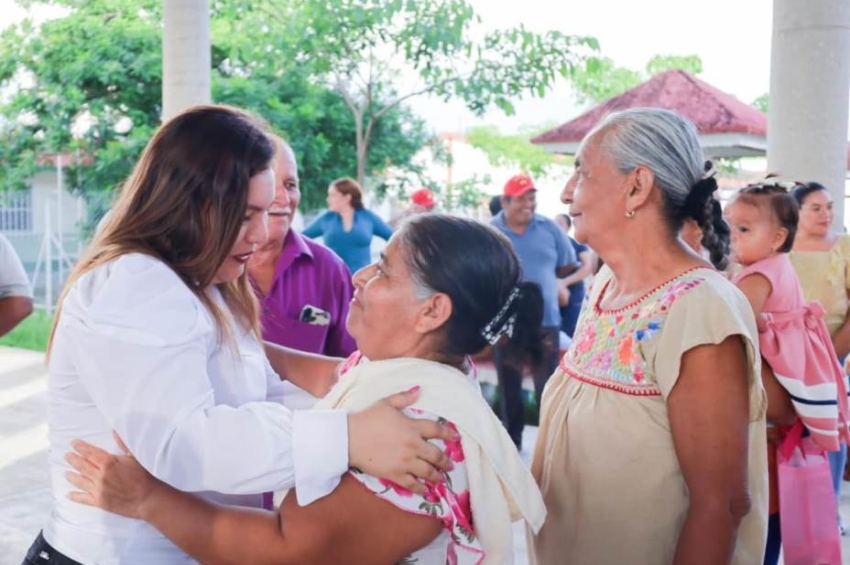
[157, 338]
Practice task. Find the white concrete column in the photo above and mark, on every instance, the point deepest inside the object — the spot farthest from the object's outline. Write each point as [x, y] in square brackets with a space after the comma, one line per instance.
[809, 94]
[186, 57]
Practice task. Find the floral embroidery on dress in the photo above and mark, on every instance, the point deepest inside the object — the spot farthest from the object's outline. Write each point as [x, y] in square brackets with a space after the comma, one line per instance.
[608, 347]
[447, 500]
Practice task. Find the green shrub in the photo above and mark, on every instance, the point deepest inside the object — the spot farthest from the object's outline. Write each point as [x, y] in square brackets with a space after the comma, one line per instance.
[32, 333]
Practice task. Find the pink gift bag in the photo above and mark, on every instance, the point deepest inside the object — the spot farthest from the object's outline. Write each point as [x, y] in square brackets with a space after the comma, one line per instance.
[808, 511]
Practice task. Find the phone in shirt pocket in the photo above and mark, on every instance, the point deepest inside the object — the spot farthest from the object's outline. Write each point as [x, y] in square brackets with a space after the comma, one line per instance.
[314, 316]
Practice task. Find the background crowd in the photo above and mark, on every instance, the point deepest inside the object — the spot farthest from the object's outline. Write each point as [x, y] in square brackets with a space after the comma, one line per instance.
[676, 349]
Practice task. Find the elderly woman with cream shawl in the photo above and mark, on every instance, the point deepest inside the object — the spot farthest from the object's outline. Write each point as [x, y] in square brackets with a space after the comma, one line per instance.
[416, 315]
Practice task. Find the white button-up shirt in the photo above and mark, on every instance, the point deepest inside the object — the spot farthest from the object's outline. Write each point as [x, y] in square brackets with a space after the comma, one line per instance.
[135, 351]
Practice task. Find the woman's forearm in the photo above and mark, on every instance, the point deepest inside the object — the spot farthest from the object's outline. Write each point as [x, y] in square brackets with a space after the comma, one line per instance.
[780, 409]
[841, 340]
[314, 373]
[695, 547]
[573, 279]
[582, 272]
[709, 422]
[214, 534]
[339, 528]
[351, 526]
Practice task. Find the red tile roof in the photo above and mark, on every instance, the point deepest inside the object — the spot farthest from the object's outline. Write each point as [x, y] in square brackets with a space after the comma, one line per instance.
[710, 109]
[65, 159]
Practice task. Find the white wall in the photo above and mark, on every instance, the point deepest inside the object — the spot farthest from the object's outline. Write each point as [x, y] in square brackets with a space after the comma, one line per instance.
[69, 208]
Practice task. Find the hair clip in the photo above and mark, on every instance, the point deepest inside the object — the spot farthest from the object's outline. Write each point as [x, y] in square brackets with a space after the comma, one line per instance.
[501, 324]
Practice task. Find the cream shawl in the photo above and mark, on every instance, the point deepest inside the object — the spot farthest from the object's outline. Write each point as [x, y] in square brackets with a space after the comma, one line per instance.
[501, 488]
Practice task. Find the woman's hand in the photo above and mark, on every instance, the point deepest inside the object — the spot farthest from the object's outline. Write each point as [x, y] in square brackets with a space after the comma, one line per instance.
[774, 436]
[115, 483]
[780, 409]
[384, 443]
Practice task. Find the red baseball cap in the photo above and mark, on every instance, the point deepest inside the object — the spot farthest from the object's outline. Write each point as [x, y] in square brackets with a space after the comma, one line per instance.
[423, 197]
[518, 185]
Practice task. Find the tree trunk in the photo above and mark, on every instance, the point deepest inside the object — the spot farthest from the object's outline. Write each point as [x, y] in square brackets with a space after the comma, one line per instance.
[362, 153]
[185, 55]
[360, 142]
[364, 138]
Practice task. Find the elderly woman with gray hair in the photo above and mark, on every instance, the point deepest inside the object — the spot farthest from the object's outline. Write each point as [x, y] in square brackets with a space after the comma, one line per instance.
[652, 448]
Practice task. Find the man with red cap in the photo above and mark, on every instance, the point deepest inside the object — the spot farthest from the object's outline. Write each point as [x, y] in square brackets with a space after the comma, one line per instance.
[545, 254]
[421, 201]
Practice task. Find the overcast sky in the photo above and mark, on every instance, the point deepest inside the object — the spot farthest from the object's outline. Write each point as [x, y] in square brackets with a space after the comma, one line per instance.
[732, 37]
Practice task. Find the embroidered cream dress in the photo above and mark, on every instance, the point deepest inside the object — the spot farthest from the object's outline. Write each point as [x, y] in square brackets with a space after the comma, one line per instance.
[604, 459]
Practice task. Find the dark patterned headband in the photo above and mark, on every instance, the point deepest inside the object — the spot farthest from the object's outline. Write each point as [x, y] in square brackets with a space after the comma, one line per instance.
[502, 323]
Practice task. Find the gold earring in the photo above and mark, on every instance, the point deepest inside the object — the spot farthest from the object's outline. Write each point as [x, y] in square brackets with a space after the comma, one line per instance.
[630, 214]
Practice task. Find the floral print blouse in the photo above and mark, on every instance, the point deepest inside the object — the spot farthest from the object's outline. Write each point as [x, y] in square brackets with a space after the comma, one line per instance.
[447, 501]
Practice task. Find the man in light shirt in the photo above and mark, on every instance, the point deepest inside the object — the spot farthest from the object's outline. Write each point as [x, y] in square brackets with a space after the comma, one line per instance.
[15, 289]
[545, 254]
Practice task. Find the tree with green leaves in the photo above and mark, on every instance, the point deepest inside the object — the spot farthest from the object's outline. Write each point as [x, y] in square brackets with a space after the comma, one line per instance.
[378, 54]
[87, 84]
[762, 102]
[514, 150]
[689, 63]
[600, 79]
[319, 127]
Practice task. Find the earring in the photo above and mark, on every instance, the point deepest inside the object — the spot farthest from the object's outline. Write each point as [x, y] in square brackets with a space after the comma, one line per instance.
[630, 214]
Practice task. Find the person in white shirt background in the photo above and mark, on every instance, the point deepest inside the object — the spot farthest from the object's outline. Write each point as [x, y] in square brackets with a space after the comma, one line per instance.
[15, 289]
[157, 338]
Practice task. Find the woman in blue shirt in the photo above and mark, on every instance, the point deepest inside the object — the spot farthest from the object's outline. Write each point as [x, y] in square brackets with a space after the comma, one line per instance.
[347, 227]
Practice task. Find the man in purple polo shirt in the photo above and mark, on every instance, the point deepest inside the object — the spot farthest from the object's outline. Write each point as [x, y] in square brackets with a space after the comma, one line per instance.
[304, 288]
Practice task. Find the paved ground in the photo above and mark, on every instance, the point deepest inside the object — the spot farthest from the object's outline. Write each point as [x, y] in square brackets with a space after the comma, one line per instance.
[24, 493]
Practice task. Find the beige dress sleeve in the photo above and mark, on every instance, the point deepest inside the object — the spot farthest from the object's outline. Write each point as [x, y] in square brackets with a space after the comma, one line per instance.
[708, 315]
